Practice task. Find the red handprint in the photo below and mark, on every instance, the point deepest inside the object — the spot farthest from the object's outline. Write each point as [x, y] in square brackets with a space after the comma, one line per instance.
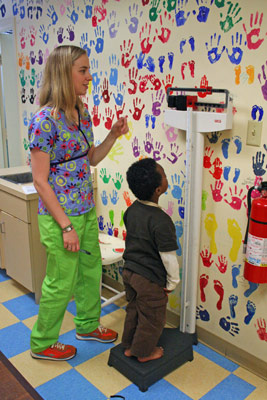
[145, 43]
[109, 118]
[252, 45]
[96, 117]
[143, 83]
[206, 258]
[132, 79]
[216, 192]
[127, 199]
[137, 110]
[217, 173]
[203, 85]
[222, 266]
[105, 93]
[207, 157]
[165, 32]
[261, 331]
[119, 111]
[169, 82]
[155, 82]
[125, 58]
[236, 200]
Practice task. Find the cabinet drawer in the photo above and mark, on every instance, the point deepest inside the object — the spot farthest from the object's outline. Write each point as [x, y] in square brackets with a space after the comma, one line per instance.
[15, 206]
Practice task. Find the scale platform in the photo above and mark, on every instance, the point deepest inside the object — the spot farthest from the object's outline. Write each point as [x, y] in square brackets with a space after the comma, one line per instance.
[178, 349]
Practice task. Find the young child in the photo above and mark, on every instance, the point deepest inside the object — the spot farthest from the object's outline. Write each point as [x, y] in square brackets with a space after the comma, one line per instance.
[151, 268]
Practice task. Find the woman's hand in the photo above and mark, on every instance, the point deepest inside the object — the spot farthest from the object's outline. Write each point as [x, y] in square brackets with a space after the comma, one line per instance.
[120, 127]
[71, 241]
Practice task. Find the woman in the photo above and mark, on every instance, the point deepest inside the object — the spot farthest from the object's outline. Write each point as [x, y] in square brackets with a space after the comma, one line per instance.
[62, 150]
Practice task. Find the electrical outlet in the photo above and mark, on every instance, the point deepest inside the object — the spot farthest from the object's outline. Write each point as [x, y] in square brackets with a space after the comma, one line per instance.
[254, 133]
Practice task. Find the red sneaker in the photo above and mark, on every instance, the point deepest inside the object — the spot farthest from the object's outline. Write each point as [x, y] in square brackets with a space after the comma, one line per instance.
[101, 334]
[56, 352]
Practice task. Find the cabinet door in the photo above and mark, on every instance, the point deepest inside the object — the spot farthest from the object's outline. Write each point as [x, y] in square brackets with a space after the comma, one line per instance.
[16, 248]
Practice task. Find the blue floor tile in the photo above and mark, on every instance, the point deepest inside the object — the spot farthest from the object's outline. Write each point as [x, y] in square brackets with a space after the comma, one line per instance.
[69, 386]
[3, 275]
[159, 391]
[231, 388]
[215, 357]
[85, 349]
[14, 339]
[23, 307]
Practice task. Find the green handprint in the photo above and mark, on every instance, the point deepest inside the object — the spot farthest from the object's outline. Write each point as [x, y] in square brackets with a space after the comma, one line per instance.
[119, 180]
[103, 175]
[121, 221]
[115, 151]
[111, 216]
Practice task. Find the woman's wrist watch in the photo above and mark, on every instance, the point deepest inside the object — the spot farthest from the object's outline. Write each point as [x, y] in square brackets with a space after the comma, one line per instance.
[68, 228]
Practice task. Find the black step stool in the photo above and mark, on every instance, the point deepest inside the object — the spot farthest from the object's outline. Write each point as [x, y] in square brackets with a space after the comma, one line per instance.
[178, 349]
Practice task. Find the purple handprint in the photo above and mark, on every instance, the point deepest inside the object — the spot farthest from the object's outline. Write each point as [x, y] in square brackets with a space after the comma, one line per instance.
[136, 147]
[148, 143]
[258, 164]
[174, 150]
[156, 104]
[264, 86]
[157, 150]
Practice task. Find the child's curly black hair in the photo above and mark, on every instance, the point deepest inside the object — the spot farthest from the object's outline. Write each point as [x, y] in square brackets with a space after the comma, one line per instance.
[143, 178]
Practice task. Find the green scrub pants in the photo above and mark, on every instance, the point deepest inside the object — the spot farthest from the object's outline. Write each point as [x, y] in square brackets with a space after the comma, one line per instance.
[68, 274]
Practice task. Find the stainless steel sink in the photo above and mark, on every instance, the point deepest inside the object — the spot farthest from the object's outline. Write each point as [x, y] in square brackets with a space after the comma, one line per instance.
[24, 177]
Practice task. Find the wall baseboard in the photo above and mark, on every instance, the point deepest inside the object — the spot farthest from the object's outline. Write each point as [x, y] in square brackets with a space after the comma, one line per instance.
[228, 350]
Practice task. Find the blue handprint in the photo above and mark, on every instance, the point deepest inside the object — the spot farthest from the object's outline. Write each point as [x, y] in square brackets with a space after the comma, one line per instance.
[96, 95]
[140, 60]
[94, 66]
[110, 228]
[150, 64]
[258, 164]
[237, 53]
[104, 197]
[114, 63]
[177, 188]
[179, 233]
[180, 16]
[213, 54]
[114, 198]
[43, 34]
[51, 13]
[202, 314]
[203, 11]
[101, 223]
[228, 326]
[99, 34]
[84, 43]
[181, 208]
[89, 9]
[72, 14]
[120, 95]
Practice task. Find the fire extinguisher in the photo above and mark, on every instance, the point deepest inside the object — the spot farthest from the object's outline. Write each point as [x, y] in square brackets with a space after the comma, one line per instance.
[255, 269]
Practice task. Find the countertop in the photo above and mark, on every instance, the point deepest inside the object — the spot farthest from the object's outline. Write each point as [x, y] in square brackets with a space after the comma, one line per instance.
[16, 188]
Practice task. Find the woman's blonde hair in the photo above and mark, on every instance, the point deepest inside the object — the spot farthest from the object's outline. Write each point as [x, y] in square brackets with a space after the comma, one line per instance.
[57, 89]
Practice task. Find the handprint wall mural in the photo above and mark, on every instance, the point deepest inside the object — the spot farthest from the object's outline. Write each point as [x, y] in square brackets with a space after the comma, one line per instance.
[137, 50]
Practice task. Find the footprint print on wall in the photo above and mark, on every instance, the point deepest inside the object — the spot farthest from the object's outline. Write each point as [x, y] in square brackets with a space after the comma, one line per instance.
[251, 309]
[218, 287]
[234, 231]
[203, 281]
[211, 226]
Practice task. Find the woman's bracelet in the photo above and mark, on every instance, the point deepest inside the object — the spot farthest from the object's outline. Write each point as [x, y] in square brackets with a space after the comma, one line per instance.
[67, 228]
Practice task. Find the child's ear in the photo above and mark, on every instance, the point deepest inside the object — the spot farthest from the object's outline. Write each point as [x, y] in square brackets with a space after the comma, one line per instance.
[158, 191]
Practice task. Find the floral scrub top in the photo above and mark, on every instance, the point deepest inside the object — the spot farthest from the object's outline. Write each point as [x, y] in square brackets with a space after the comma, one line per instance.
[69, 176]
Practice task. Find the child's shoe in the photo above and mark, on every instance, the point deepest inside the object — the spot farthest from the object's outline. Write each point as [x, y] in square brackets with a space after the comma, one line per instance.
[100, 334]
[56, 352]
